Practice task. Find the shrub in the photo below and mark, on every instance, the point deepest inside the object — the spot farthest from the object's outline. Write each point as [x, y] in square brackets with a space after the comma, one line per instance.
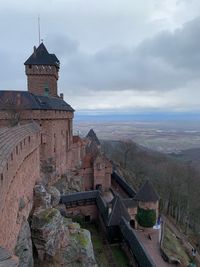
[146, 218]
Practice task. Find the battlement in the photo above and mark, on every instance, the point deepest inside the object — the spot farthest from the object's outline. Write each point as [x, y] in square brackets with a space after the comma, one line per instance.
[41, 70]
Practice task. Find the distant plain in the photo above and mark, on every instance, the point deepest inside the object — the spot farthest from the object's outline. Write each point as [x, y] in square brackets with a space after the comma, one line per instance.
[164, 136]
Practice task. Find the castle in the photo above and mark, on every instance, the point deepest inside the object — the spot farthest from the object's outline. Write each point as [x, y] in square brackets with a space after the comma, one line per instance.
[37, 146]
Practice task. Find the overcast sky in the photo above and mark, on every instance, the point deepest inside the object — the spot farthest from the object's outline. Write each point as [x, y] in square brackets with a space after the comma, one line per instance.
[123, 55]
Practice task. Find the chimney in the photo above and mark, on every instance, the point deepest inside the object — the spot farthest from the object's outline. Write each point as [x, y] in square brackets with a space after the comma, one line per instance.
[61, 96]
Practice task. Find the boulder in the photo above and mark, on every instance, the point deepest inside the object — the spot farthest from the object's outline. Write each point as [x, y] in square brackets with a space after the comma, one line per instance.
[48, 232]
[79, 251]
[42, 199]
[59, 241]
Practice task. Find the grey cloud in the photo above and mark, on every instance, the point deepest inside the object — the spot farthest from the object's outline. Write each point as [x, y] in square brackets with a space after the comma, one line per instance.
[165, 62]
[63, 45]
[180, 49]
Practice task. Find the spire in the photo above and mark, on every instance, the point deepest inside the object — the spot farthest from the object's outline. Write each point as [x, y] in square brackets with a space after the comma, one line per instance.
[92, 136]
[147, 193]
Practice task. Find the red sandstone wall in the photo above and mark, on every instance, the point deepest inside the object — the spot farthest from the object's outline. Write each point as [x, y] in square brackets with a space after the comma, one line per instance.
[57, 139]
[89, 210]
[21, 188]
[76, 153]
[39, 77]
[132, 212]
[55, 143]
[19, 173]
[88, 178]
[102, 173]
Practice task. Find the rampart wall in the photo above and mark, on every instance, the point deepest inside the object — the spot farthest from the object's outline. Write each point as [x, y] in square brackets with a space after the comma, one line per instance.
[19, 171]
[56, 139]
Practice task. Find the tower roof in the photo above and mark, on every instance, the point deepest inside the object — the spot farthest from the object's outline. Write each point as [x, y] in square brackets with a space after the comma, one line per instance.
[147, 193]
[118, 210]
[92, 136]
[41, 56]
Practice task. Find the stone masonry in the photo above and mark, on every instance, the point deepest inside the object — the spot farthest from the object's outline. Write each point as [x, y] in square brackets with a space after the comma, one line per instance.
[19, 171]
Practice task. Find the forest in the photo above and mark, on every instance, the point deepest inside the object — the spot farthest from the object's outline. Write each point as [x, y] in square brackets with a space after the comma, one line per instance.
[176, 181]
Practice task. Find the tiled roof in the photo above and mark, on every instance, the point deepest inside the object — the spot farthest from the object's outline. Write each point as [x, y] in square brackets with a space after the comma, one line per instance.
[147, 193]
[123, 184]
[79, 196]
[118, 210]
[102, 207]
[42, 57]
[130, 203]
[28, 101]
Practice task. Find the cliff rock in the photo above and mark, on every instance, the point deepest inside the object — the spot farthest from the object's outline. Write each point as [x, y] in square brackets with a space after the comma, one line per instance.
[55, 195]
[79, 252]
[72, 182]
[6, 259]
[23, 248]
[42, 199]
[57, 240]
[48, 232]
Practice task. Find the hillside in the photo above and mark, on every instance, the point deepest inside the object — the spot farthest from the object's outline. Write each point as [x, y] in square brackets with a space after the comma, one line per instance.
[176, 182]
[189, 155]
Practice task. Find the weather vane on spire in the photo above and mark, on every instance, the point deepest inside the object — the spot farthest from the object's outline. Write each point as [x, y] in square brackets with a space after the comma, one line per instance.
[39, 28]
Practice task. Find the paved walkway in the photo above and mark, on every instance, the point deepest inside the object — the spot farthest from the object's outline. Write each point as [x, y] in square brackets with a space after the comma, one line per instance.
[152, 246]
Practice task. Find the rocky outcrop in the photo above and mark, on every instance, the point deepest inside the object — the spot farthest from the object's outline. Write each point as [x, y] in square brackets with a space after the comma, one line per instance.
[79, 252]
[49, 233]
[42, 199]
[23, 248]
[7, 260]
[55, 195]
[72, 182]
[57, 240]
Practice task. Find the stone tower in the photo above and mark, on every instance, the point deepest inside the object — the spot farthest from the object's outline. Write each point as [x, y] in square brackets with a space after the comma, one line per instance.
[42, 72]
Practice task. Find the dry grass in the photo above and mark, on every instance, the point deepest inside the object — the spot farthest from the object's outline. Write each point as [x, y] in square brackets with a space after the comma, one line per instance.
[173, 247]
